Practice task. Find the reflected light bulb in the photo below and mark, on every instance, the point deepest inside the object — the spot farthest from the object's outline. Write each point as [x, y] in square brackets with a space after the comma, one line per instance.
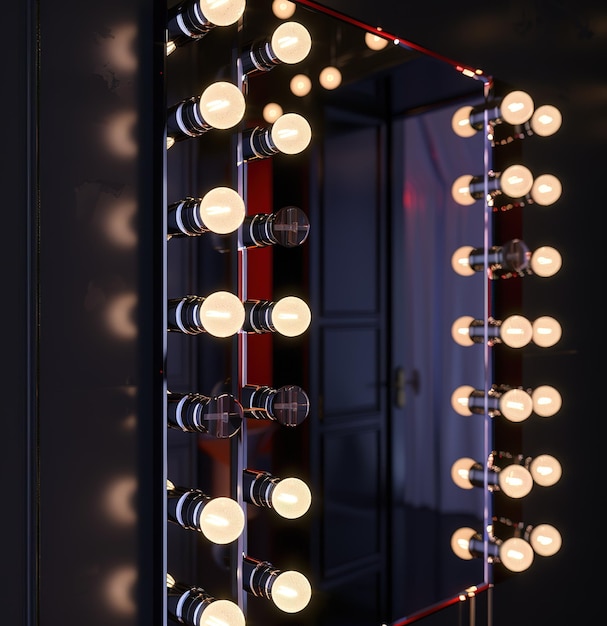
[515, 481]
[546, 331]
[460, 190]
[222, 12]
[545, 540]
[291, 133]
[516, 554]
[516, 405]
[291, 591]
[546, 120]
[460, 330]
[546, 261]
[516, 331]
[222, 520]
[222, 210]
[291, 498]
[460, 542]
[271, 112]
[546, 189]
[283, 9]
[291, 42]
[546, 401]
[516, 181]
[460, 261]
[330, 78]
[374, 42]
[516, 107]
[545, 470]
[300, 85]
[291, 316]
[221, 613]
[460, 472]
[222, 314]
[460, 399]
[222, 105]
[460, 122]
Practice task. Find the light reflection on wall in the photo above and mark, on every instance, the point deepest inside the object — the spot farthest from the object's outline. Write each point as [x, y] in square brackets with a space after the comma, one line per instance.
[119, 501]
[119, 590]
[120, 316]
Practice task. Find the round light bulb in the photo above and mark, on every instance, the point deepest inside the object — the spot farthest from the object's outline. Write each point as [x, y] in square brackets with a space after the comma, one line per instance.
[545, 539]
[291, 591]
[546, 120]
[546, 261]
[460, 190]
[291, 42]
[375, 42]
[516, 107]
[546, 401]
[460, 261]
[300, 85]
[516, 181]
[460, 122]
[460, 542]
[222, 105]
[546, 470]
[546, 189]
[271, 112]
[291, 316]
[222, 314]
[330, 78]
[222, 520]
[221, 613]
[291, 133]
[546, 331]
[516, 405]
[515, 481]
[460, 330]
[222, 12]
[291, 498]
[460, 472]
[222, 210]
[516, 554]
[283, 9]
[516, 331]
[460, 399]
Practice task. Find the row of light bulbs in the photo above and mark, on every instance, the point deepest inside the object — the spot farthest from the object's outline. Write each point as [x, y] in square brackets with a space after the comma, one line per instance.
[503, 541]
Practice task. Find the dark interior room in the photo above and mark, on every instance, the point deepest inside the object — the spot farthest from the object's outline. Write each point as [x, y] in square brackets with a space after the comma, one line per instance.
[294, 312]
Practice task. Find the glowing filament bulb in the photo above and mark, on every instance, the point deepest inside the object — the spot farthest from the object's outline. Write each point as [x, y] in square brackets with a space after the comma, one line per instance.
[516, 181]
[515, 481]
[291, 133]
[546, 331]
[291, 316]
[291, 498]
[222, 520]
[545, 540]
[222, 210]
[546, 261]
[271, 112]
[460, 472]
[516, 554]
[546, 120]
[460, 122]
[222, 613]
[516, 405]
[375, 42]
[460, 190]
[222, 12]
[222, 105]
[291, 591]
[283, 9]
[546, 400]
[546, 189]
[516, 107]
[291, 42]
[546, 470]
[300, 85]
[222, 314]
[460, 261]
[460, 542]
[330, 78]
[516, 331]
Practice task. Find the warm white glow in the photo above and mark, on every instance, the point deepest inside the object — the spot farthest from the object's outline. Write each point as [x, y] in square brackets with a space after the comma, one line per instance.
[121, 316]
[291, 498]
[546, 401]
[516, 554]
[545, 539]
[222, 314]
[460, 190]
[546, 120]
[291, 316]
[271, 112]
[283, 9]
[170, 581]
[291, 42]
[374, 42]
[171, 47]
[330, 78]
[222, 520]
[516, 181]
[546, 189]
[460, 472]
[222, 613]
[516, 331]
[515, 481]
[516, 405]
[460, 398]
[291, 133]
[222, 105]
[460, 122]
[222, 12]
[546, 470]
[460, 542]
[460, 261]
[222, 210]
[516, 107]
[546, 331]
[300, 85]
[170, 142]
[546, 261]
[460, 330]
[291, 591]
[120, 590]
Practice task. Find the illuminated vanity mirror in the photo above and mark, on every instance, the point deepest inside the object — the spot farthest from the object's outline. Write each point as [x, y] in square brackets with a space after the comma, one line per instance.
[373, 228]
